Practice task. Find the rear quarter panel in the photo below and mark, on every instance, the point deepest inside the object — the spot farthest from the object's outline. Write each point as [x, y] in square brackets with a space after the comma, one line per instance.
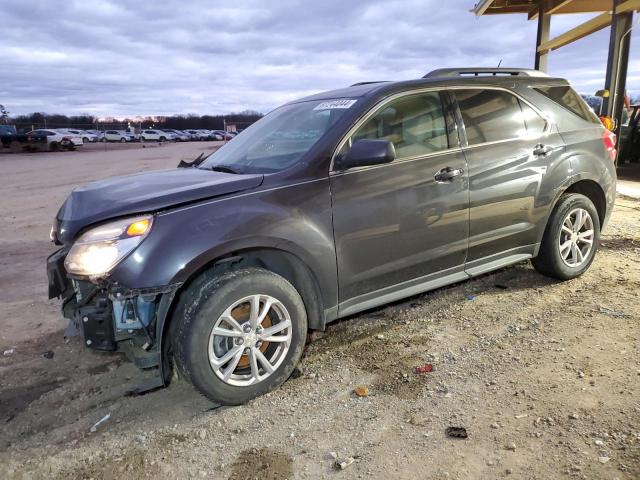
[584, 150]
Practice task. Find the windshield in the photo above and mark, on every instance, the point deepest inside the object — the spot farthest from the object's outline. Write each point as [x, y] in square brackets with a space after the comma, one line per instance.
[280, 139]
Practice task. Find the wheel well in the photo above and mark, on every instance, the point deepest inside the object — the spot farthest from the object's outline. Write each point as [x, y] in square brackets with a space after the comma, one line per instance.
[593, 192]
[285, 264]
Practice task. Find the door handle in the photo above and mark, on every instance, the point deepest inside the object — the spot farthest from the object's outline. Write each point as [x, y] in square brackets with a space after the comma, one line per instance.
[541, 149]
[447, 174]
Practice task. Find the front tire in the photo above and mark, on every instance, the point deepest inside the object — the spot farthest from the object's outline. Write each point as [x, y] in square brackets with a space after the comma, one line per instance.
[239, 335]
[571, 238]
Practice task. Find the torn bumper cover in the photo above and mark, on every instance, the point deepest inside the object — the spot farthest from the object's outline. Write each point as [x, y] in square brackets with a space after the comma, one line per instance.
[110, 317]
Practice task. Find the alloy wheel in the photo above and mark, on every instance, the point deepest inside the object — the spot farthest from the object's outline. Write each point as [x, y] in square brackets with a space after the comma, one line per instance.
[576, 237]
[250, 340]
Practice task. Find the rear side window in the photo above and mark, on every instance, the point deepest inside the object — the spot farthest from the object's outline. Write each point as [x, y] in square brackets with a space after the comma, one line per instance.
[490, 115]
[415, 124]
[534, 122]
[566, 97]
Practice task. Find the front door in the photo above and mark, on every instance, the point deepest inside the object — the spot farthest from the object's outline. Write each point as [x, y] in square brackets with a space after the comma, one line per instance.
[400, 227]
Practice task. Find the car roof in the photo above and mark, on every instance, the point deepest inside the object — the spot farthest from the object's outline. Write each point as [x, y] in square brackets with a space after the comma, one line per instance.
[384, 88]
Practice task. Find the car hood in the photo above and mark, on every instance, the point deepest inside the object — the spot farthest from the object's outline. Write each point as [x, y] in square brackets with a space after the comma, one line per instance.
[143, 193]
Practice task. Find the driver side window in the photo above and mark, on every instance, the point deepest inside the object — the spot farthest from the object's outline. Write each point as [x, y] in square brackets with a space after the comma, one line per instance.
[415, 124]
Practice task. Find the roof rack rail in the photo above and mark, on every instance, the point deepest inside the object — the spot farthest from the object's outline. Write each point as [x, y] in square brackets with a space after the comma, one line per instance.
[368, 83]
[476, 72]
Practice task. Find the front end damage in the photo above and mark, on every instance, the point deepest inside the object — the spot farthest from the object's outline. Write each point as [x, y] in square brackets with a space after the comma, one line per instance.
[110, 317]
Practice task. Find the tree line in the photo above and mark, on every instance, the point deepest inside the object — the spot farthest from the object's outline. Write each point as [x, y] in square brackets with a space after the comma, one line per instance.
[86, 122]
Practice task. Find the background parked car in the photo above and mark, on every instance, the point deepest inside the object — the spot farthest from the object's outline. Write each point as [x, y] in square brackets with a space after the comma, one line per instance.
[117, 136]
[17, 142]
[222, 135]
[192, 136]
[59, 139]
[154, 135]
[87, 137]
[199, 134]
[173, 135]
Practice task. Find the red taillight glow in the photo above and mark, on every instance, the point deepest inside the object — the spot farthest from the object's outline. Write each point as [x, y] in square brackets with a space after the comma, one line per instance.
[609, 142]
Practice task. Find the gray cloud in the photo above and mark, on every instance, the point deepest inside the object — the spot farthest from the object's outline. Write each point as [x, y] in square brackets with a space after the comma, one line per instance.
[148, 58]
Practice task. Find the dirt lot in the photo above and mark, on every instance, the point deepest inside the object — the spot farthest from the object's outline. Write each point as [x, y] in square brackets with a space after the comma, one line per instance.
[544, 376]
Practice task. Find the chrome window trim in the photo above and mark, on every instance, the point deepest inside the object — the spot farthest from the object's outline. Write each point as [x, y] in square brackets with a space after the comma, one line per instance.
[369, 113]
[547, 126]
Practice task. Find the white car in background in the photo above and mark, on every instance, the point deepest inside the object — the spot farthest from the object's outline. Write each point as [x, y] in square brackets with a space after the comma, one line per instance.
[179, 136]
[58, 139]
[154, 135]
[117, 136]
[87, 137]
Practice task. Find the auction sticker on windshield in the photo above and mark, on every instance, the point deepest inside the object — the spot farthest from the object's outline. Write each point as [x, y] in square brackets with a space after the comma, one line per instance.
[344, 103]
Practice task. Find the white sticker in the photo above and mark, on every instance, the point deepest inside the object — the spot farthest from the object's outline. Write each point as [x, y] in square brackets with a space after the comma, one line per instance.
[344, 103]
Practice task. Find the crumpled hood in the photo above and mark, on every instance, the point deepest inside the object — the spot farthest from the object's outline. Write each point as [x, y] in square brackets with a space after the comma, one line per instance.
[143, 193]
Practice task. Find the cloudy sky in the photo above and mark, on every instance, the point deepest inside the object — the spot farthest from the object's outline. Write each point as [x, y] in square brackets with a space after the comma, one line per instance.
[125, 58]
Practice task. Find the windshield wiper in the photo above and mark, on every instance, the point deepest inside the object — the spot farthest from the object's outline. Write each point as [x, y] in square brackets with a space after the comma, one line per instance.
[224, 169]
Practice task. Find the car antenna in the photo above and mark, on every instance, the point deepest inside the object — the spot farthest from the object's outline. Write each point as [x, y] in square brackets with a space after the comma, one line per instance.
[499, 63]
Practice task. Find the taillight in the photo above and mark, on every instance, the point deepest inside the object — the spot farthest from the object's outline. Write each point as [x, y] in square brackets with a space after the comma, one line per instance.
[609, 142]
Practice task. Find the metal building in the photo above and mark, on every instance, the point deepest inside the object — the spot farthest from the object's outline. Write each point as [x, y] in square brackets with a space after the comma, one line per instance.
[615, 13]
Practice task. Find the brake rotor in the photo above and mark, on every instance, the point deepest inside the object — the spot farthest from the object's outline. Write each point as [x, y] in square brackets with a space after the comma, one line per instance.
[241, 314]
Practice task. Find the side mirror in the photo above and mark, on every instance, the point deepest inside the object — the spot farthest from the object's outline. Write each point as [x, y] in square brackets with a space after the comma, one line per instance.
[367, 152]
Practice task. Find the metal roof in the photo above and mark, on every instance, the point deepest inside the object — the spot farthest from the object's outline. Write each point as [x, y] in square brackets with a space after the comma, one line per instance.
[494, 7]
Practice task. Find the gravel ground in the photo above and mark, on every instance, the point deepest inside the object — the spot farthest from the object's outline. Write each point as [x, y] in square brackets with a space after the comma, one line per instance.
[543, 376]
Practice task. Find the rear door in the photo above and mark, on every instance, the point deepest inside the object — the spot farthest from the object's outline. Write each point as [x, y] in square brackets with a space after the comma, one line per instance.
[509, 148]
[402, 225]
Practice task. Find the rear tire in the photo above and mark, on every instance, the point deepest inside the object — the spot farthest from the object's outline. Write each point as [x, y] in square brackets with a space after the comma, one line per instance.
[122, 140]
[54, 146]
[571, 238]
[205, 307]
[142, 139]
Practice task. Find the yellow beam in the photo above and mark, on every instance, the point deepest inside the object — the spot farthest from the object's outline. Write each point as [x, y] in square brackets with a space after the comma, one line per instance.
[587, 28]
[550, 7]
[556, 7]
[585, 6]
[628, 6]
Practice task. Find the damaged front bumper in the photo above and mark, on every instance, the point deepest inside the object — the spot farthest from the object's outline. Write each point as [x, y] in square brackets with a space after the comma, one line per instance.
[110, 317]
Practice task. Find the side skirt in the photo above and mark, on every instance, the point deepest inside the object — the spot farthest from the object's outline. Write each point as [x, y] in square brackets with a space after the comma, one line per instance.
[436, 280]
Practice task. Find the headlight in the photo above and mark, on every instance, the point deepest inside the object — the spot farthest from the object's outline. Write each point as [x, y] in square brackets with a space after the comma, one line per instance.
[100, 249]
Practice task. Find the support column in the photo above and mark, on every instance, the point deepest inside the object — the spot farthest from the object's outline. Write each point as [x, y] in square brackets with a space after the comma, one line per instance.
[544, 24]
[617, 64]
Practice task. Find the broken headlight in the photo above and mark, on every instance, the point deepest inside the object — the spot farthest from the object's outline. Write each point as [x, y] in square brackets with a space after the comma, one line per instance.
[100, 249]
